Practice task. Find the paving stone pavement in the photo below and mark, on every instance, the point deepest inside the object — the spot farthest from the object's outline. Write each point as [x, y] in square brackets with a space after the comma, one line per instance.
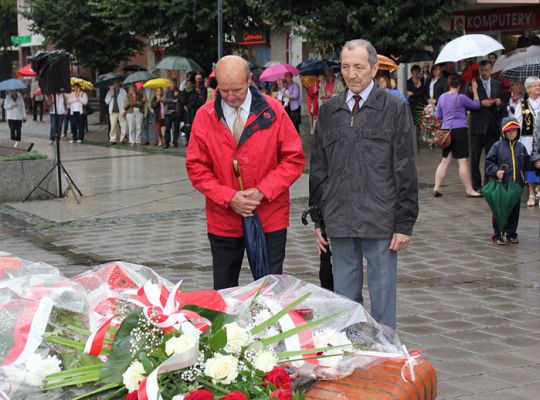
[472, 307]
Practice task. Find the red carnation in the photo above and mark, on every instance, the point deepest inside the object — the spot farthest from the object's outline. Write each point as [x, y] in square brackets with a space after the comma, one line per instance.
[202, 394]
[279, 378]
[281, 394]
[235, 396]
[132, 395]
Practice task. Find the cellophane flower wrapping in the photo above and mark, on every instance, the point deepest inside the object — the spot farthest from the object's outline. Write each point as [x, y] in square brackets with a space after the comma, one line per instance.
[358, 339]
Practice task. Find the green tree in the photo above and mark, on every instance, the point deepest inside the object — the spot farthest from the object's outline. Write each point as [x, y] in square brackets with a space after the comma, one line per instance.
[75, 26]
[394, 27]
[186, 27]
[8, 22]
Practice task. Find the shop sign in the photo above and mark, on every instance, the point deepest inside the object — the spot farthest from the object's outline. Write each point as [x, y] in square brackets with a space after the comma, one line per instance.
[247, 38]
[21, 39]
[499, 19]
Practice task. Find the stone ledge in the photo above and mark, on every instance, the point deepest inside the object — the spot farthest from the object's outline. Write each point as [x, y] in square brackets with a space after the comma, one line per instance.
[18, 178]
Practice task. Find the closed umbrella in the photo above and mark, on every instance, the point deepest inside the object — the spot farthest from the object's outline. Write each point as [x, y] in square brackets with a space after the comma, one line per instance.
[108, 79]
[141, 76]
[178, 63]
[386, 63]
[501, 198]
[276, 72]
[254, 238]
[12, 84]
[468, 46]
[26, 71]
[156, 83]
[326, 277]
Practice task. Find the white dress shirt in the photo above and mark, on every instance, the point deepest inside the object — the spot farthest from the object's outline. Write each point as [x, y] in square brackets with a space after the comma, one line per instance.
[363, 94]
[230, 113]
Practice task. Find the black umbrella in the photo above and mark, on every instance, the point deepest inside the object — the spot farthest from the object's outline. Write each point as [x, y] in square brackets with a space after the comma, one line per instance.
[317, 67]
[108, 79]
[254, 238]
[325, 271]
[134, 68]
[416, 56]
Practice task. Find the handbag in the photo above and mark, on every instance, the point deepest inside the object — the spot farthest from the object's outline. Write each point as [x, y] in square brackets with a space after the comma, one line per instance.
[443, 137]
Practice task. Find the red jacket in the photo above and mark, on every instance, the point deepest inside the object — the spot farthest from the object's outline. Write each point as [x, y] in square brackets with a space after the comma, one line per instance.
[270, 156]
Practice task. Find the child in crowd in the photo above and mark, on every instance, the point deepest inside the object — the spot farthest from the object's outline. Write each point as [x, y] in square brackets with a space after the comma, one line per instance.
[507, 161]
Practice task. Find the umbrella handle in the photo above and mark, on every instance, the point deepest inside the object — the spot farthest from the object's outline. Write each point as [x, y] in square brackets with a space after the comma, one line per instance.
[236, 168]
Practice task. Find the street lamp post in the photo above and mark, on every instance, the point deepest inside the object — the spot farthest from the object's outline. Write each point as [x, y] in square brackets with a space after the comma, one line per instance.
[220, 29]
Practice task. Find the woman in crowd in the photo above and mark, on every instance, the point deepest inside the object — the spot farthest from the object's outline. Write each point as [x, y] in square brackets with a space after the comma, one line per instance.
[158, 108]
[384, 83]
[452, 109]
[15, 113]
[76, 101]
[312, 84]
[416, 93]
[134, 115]
[526, 113]
[331, 86]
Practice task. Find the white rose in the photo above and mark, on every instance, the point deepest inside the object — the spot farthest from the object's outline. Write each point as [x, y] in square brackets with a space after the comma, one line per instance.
[222, 369]
[179, 345]
[133, 376]
[265, 361]
[237, 337]
[331, 338]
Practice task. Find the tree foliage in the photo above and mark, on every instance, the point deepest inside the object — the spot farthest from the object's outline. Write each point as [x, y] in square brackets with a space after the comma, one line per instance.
[76, 26]
[394, 27]
[8, 22]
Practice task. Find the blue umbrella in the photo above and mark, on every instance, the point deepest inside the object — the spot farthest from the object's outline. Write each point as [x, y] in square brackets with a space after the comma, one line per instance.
[12, 84]
[316, 67]
[254, 238]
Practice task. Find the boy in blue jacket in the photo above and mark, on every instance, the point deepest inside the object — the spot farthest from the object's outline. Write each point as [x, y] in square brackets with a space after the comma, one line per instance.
[507, 160]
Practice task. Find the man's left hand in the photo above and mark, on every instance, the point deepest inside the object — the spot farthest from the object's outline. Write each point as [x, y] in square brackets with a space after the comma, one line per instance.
[254, 194]
[399, 242]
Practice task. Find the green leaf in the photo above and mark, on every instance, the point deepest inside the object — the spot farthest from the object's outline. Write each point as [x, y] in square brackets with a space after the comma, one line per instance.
[218, 340]
[271, 321]
[146, 362]
[100, 390]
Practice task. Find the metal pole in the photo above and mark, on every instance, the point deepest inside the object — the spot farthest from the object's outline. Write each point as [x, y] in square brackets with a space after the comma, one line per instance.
[220, 28]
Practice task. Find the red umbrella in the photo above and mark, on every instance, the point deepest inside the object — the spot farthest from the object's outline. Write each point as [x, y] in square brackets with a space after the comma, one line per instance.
[277, 72]
[26, 71]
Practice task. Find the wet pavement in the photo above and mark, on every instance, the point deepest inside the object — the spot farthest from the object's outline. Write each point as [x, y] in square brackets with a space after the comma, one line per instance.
[472, 307]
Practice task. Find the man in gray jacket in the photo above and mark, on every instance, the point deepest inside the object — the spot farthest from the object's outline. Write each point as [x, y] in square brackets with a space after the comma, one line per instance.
[363, 178]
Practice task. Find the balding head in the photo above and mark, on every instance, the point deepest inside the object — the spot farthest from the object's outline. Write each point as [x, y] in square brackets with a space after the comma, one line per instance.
[234, 78]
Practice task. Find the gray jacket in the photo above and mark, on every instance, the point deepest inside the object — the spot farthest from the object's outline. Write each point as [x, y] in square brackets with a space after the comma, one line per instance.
[535, 153]
[363, 172]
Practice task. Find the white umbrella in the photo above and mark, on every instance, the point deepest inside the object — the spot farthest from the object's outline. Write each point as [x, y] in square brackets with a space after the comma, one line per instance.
[468, 46]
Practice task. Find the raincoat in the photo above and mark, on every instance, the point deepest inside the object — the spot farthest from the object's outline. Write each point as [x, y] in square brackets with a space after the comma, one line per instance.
[270, 156]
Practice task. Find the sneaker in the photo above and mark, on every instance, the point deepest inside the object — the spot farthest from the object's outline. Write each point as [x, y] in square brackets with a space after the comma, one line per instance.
[499, 242]
[512, 239]
[79, 141]
[71, 141]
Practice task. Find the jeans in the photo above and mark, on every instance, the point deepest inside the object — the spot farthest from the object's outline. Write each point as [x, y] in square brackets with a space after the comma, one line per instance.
[171, 121]
[77, 126]
[347, 260]
[56, 126]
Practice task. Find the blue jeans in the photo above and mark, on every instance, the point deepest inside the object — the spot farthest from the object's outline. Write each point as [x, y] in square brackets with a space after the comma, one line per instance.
[348, 270]
[56, 126]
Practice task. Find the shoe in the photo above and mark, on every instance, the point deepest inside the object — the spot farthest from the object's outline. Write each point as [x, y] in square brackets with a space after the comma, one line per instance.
[71, 141]
[79, 141]
[111, 143]
[437, 193]
[499, 242]
[132, 144]
[175, 145]
[51, 142]
[474, 196]
[165, 146]
[512, 239]
[532, 201]
[146, 143]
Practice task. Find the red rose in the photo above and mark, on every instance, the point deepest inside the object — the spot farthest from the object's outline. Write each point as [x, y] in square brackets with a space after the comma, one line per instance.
[281, 394]
[279, 378]
[202, 394]
[132, 395]
[235, 396]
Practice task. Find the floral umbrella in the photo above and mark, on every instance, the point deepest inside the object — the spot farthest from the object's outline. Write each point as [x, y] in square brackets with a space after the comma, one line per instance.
[276, 72]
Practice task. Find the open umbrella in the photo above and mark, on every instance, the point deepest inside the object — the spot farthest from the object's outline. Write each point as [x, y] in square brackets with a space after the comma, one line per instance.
[140, 76]
[519, 64]
[325, 270]
[467, 46]
[108, 79]
[178, 63]
[501, 197]
[254, 238]
[316, 67]
[133, 68]
[156, 83]
[26, 71]
[84, 84]
[12, 84]
[277, 72]
[416, 56]
[386, 63]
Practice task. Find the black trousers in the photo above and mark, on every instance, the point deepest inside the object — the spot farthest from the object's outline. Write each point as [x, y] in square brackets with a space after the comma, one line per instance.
[38, 104]
[77, 126]
[228, 254]
[171, 121]
[15, 129]
[511, 225]
[477, 144]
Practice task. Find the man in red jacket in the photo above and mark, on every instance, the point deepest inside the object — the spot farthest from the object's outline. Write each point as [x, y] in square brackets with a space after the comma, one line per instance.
[244, 125]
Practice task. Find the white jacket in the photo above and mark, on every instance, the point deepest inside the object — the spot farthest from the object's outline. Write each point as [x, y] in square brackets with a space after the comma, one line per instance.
[15, 109]
[122, 96]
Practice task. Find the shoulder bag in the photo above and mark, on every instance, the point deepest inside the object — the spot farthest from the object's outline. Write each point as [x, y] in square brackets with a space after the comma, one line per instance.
[443, 137]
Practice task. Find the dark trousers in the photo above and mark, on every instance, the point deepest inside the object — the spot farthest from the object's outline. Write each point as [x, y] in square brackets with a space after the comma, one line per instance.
[228, 254]
[511, 225]
[296, 117]
[77, 127]
[67, 121]
[15, 129]
[56, 126]
[477, 144]
[38, 104]
[171, 121]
